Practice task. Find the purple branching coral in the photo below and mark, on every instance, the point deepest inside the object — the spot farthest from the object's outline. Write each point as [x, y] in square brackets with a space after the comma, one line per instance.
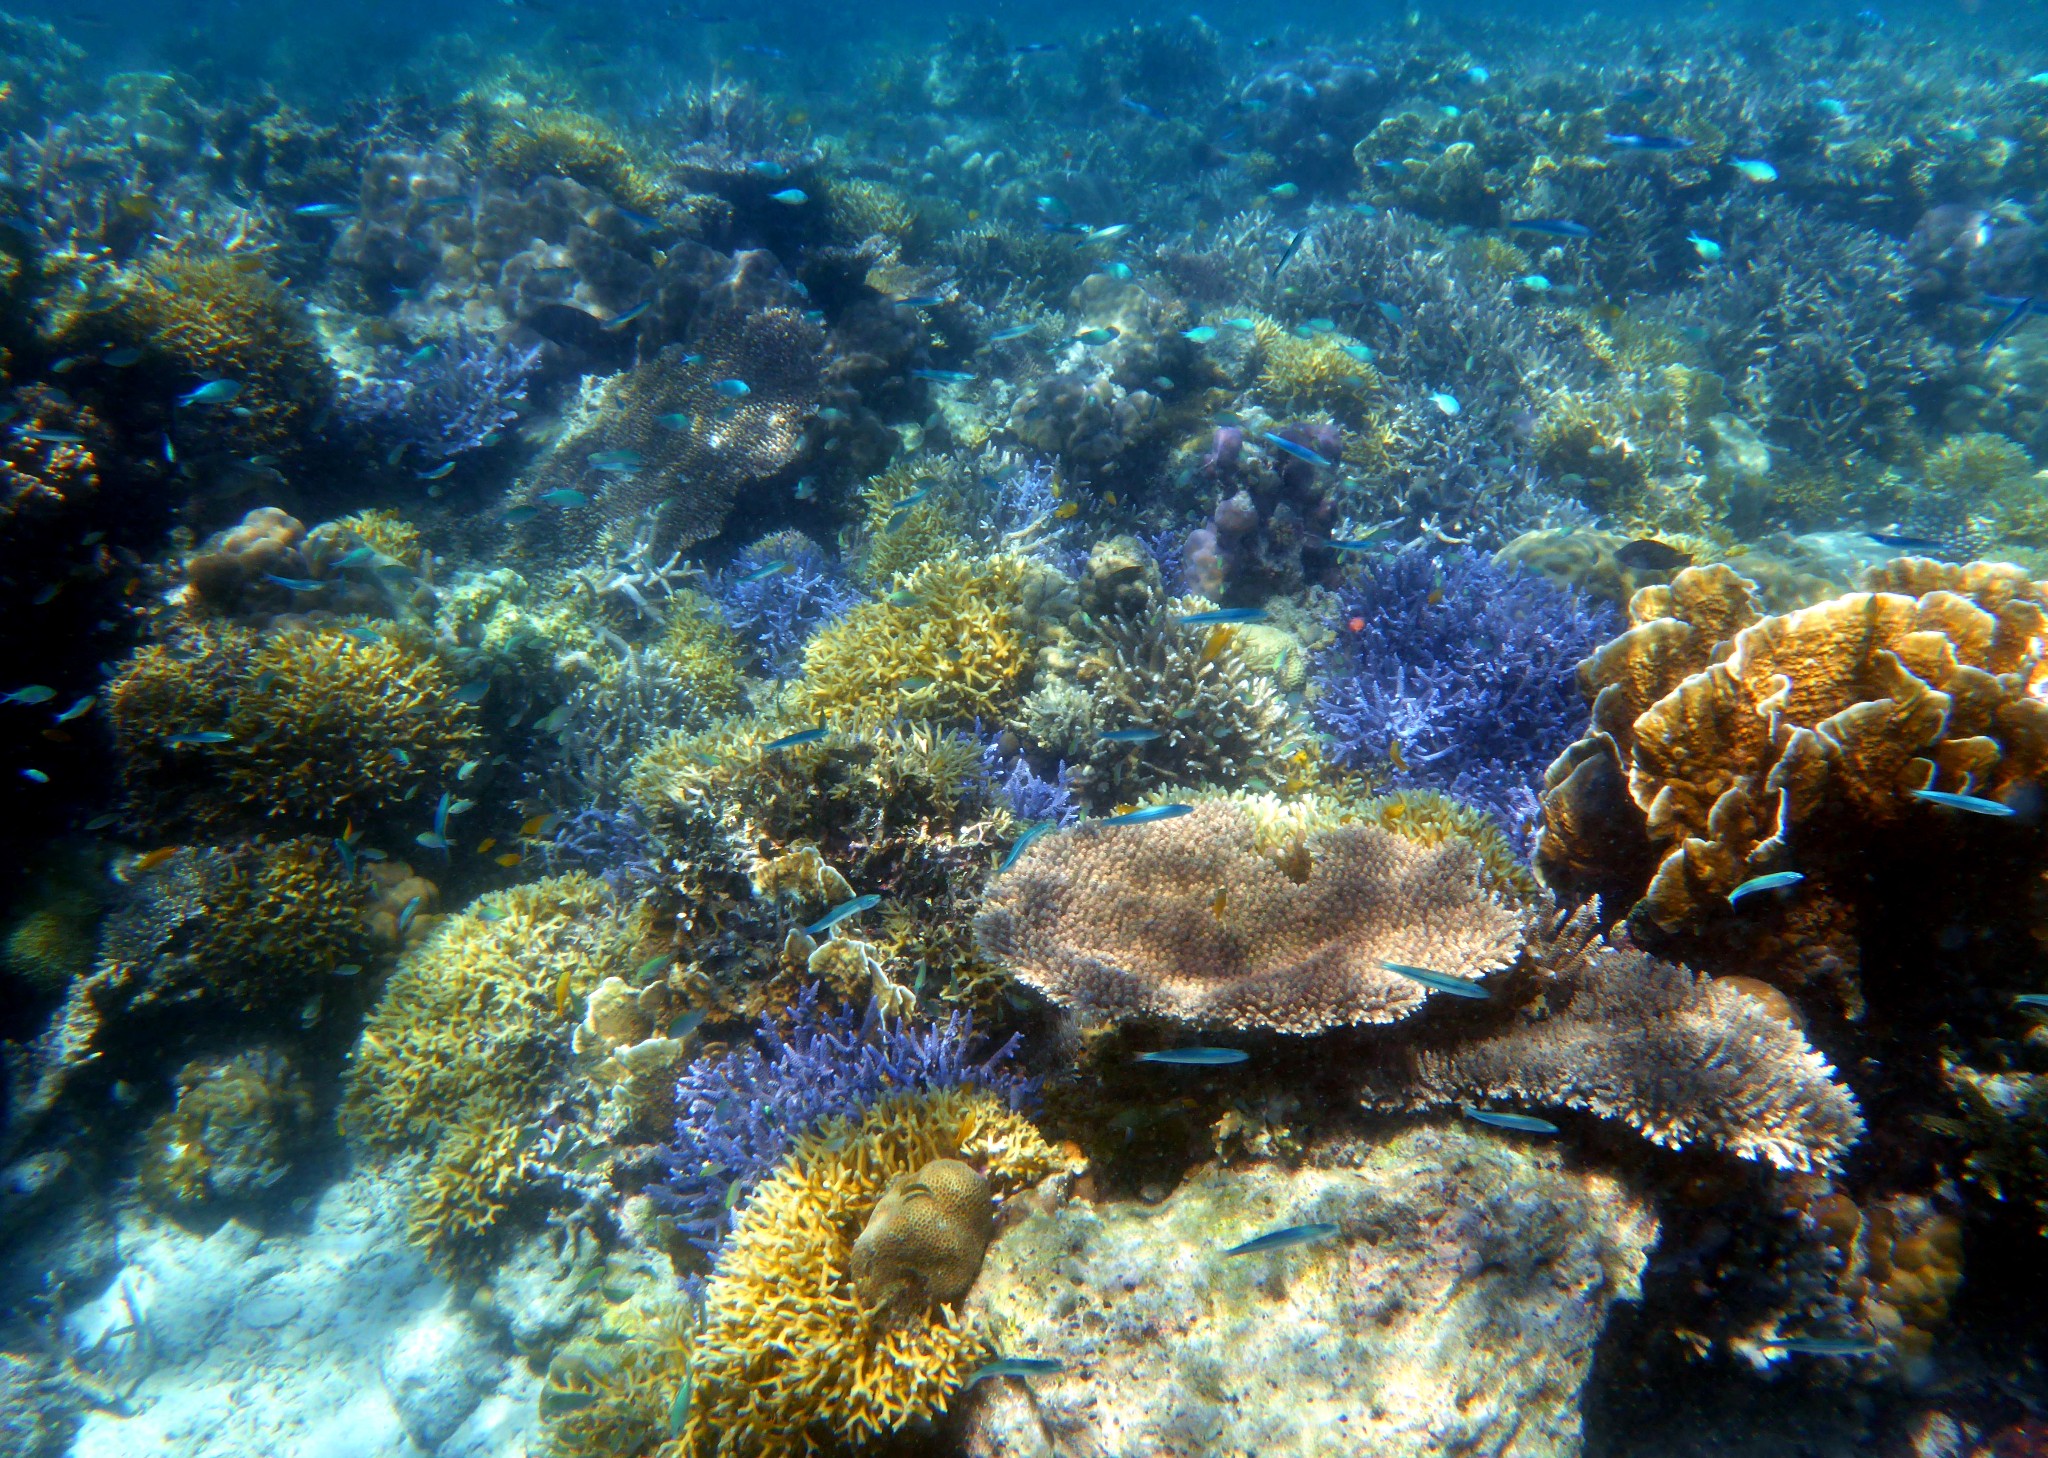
[1465, 669]
[443, 403]
[614, 845]
[738, 1115]
[778, 612]
[1025, 794]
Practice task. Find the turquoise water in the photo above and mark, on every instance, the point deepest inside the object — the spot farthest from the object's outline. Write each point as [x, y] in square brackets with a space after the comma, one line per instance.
[1004, 732]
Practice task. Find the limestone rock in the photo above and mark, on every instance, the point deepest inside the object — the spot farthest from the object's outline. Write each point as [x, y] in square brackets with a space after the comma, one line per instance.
[1456, 1311]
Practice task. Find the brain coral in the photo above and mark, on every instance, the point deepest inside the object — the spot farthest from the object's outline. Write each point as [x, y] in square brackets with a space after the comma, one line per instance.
[924, 1242]
[1193, 918]
[1725, 744]
[791, 1355]
[323, 727]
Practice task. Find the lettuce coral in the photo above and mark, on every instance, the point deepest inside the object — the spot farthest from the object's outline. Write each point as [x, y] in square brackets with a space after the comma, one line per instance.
[790, 1353]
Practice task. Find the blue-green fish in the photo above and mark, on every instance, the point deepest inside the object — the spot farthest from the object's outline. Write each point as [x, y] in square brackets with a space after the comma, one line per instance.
[1200, 334]
[2031, 999]
[1149, 814]
[733, 389]
[472, 693]
[56, 437]
[1013, 331]
[1520, 1123]
[213, 392]
[626, 316]
[1017, 1367]
[616, 460]
[1708, 250]
[296, 584]
[791, 741]
[1130, 736]
[790, 197]
[199, 736]
[1093, 337]
[1550, 227]
[363, 635]
[1360, 544]
[762, 574]
[521, 515]
[1755, 169]
[687, 1023]
[324, 210]
[80, 708]
[1975, 804]
[1827, 1347]
[1223, 615]
[1439, 981]
[1197, 1057]
[407, 912]
[841, 912]
[1776, 881]
[432, 840]
[36, 776]
[35, 693]
[1446, 402]
[564, 497]
[440, 473]
[122, 358]
[1536, 283]
[675, 420]
[942, 377]
[360, 557]
[902, 597]
[1282, 1239]
[1293, 448]
[1023, 843]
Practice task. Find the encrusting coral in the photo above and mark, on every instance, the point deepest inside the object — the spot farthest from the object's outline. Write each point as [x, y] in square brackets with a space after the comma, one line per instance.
[1191, 919]
[232, 1133]
[1679, 1058]
[791, 1355]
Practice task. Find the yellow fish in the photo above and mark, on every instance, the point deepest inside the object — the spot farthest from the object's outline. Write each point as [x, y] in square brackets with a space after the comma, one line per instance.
[1067, 510]
[1217, 643]
[1216, 906]
[483, 846]
[1394, 754]
[562, 993]
[1109, 498]
[510, 859]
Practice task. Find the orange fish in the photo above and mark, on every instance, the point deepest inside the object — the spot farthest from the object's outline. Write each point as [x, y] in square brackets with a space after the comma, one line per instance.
[1067, 510]
[485, 844]
[150, 860]
[510, 859]
[1217, 643]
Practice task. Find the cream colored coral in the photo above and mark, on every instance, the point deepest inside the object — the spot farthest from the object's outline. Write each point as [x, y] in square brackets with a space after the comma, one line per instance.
[924, 1241]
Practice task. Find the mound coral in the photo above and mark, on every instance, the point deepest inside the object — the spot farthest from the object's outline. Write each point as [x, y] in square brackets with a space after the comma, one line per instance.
[924, 1241]
[790, 1352]
[230, 1135]
[1458, 673]
[474, 1032]
[1725, 744]
[1193, 919]
[955, 642]
[1681, 1059]
[738, 1115]
[323, 726]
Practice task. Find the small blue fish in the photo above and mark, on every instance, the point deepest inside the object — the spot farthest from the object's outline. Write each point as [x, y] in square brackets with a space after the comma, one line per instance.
[1535, 283]
[626, 316]
[1906, 542]
[1093, 337]
[1128, 104]
[2007, 325]
[762, 574]
[1282, 1239]
[360, 557]
[425, 354]
[1755, 169]
[213, 392]
[363, 635]
[1776, 881]
[1130, 736]
[521, 515]
[35, 776]
[675, 420]
[432, 840]
[1520, 1123]
[407, 913]
[296, 584]
[563, 498]
[1365, 543]
[1708, 250]
[1023, 844]
[1827, 1347]
[56, 437]
[1551, 227]
[733, 389]
[1016, 1367]
[1223, 615]
[1446, 402]
[1639, 142]
[554, 720]
[1293, 448]
[198, 736]
[1013, 331]
[324, 210]
[1149, 814]
[77, 710]
[1200, 334]
[791, 741]
[440, 473]
[639, 220]
[441, 814]
[122, 358]
[942, 377]
[841, 912]
[403, 756]
[1975, 804]
[615, 460]
[1197, 1057]
[35, 693]
[1389, 311]
[790, 197]
[1439, 981]
[769, 168]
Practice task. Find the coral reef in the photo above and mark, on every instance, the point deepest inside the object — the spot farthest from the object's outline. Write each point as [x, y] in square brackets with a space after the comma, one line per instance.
[924, 1240]
[231, 1135]
[442, 400]
[1195, 919]
[775, 609]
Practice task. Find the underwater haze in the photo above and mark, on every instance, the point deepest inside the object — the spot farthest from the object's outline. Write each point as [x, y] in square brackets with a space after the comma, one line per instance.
[1025, 731]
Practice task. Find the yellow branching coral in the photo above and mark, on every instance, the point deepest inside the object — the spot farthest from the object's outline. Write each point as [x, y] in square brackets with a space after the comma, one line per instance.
[1192, 919]
[860, 209]
[957, 641]
[558, 142]
[224, 318]
[791, 1356]
[474, 1029]
[915, 513]
[705, 654]
[321, 727]
[1313, 372]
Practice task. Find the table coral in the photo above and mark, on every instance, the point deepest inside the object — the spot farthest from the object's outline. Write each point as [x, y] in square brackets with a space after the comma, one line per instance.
[1193, 919]
[789, 1349]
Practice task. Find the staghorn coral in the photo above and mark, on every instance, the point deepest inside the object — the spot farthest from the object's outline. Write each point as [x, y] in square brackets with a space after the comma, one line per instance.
[323, 727]
[775, 614]
[789, 1353]
[923, 1243]
[1680, 1059]
[955, 642]
[528, 142]
[460, 397]
[1192, 919]
[1458, 672]
[230, 1135]
[738, 1115]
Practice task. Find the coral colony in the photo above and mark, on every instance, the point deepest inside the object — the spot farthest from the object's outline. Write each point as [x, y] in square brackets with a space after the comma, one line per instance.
[735, 739]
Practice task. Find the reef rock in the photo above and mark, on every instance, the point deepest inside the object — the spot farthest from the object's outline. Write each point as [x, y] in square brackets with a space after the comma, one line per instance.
[1455, 1311]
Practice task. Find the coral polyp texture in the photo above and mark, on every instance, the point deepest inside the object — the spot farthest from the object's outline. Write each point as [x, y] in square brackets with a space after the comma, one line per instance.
[791, 1353]
[1194, 919]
